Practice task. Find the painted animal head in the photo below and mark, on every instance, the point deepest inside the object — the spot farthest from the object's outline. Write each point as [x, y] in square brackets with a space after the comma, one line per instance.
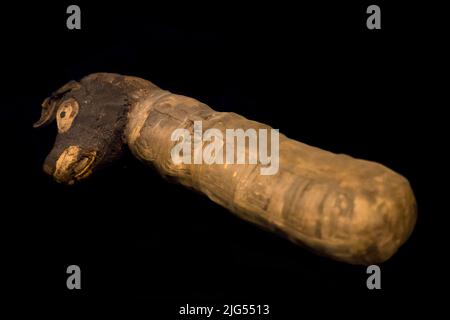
[91, 116]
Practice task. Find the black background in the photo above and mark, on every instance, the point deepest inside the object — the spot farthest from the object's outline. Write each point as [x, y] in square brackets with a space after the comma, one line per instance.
[312, 70]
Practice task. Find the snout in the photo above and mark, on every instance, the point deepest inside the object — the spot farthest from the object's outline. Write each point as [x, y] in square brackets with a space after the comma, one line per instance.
[69, 165]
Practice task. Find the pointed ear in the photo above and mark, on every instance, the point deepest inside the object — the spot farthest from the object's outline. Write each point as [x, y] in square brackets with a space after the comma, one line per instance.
[50, 104]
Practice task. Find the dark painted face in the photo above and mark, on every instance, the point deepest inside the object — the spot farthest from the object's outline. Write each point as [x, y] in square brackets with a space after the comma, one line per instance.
[91, 116]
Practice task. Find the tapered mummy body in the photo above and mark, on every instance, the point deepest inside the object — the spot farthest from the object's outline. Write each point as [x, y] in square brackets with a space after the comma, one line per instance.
[348, 209]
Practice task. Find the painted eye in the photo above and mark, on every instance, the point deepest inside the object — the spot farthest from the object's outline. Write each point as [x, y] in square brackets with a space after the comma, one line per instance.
[67, 112]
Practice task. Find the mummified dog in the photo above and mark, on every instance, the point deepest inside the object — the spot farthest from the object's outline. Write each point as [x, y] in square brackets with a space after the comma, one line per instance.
[348, 209]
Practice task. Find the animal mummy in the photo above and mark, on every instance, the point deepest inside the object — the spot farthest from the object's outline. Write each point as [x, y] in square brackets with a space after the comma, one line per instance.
[351, 210]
